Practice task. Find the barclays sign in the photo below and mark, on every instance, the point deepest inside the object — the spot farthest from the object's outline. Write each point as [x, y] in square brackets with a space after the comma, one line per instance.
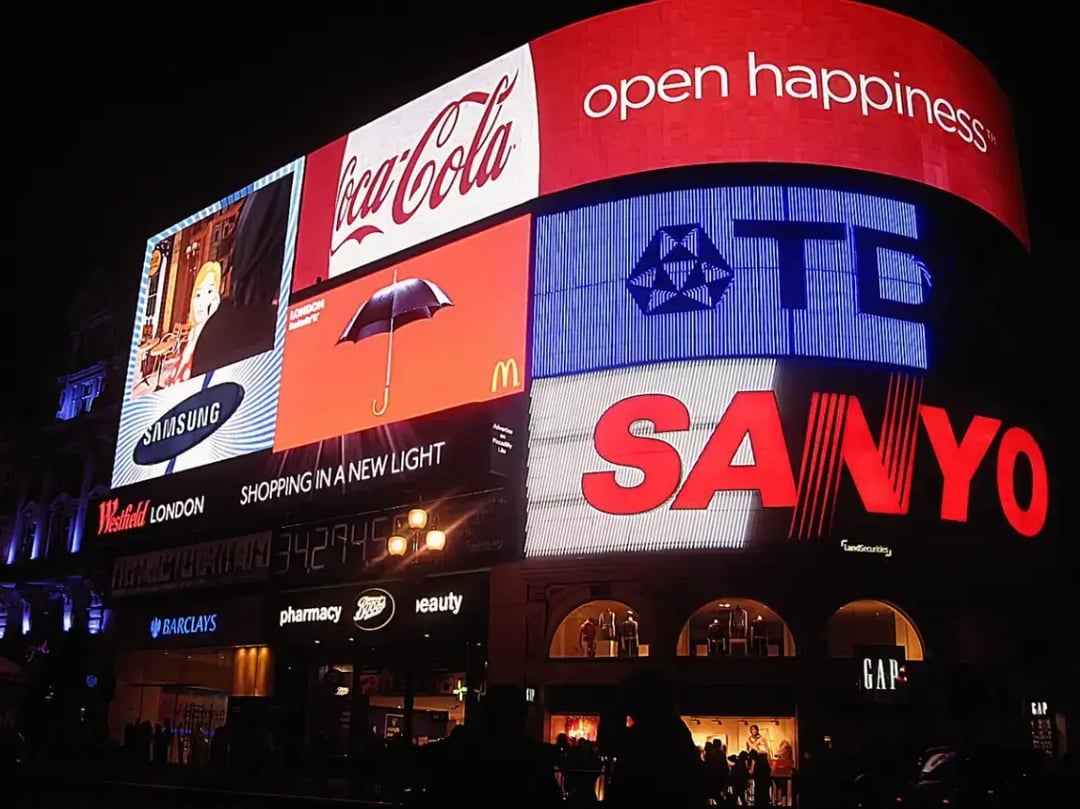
[205, 624]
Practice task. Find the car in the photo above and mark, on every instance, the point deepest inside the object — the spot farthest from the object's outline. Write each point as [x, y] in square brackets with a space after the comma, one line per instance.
[984, 778]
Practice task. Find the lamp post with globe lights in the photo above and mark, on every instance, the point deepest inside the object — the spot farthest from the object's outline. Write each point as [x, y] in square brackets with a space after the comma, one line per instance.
[420, 536]
[433, 539]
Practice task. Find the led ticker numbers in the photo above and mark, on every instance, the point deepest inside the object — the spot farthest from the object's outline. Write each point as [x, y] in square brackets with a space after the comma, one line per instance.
[351, 544]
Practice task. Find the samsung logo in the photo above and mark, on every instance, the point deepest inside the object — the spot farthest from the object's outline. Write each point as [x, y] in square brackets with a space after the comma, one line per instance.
[192, 421]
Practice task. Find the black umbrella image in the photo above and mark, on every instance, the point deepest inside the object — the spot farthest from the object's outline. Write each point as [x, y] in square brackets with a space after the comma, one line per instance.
[390, 308]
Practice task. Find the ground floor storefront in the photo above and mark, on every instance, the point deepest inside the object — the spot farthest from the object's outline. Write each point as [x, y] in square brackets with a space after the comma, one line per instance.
[360, 665]
[184, 670]
[869, 672]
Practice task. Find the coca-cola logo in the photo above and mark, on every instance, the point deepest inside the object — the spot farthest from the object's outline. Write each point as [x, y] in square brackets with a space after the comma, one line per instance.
[437, 167]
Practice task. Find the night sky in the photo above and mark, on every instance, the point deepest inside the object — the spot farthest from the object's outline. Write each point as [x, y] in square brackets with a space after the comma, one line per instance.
[124, 130]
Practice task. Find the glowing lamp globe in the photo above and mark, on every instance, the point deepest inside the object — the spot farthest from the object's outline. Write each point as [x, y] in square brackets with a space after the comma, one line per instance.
[417, 519]
[396, 546]
[435, 540]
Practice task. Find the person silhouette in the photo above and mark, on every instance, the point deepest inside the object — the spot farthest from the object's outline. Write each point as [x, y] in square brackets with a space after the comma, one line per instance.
[656, 760]
[496, 763]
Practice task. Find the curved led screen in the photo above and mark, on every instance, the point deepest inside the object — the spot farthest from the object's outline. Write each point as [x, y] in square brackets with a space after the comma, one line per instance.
[369, 323]
[831, 83]
[743, 271]
[723, 366]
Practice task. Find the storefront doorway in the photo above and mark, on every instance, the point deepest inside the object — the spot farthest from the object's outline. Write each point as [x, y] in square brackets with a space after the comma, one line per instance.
[367, 664]
[350, 705]
[186, 691]
[181, 668]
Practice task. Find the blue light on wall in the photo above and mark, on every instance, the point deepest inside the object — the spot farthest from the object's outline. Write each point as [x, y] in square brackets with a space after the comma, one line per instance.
[95, 614]
[748, 271]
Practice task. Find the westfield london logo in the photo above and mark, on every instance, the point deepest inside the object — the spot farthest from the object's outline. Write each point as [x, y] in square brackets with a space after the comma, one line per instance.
[112, 519]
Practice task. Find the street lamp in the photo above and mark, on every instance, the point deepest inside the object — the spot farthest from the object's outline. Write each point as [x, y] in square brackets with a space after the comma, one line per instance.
[398, 546]
[434, 539]
[417, 519]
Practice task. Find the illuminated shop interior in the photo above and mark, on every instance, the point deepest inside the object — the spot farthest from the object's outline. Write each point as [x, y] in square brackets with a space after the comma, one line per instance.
[189, 688]
[871, 623]
[600, 629]
[574, 726]
[438, 707]
[735, 627]
[775, 735]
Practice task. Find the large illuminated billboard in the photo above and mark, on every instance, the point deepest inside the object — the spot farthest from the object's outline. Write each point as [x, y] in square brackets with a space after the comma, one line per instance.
[205, 358]
[408, 381]
[435, 332]
[452, 157]
[833, 83]
[373, 318]
[828, 82]
[717, 367]
[740, 271]
[695, 455]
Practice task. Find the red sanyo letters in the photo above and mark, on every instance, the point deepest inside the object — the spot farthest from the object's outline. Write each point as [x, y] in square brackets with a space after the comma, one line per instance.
[756, 414]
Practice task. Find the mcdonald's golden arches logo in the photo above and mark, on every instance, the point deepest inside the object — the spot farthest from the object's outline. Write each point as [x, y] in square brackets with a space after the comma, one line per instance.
[505, 373]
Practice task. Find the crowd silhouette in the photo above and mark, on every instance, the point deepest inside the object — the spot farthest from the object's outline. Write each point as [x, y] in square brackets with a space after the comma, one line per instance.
[644, 756]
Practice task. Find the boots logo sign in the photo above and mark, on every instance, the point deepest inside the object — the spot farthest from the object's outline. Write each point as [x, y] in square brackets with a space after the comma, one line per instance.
[374, 610]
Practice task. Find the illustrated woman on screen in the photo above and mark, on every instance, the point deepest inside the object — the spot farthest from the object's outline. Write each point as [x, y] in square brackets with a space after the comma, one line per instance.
[205, 300]
[245, 323]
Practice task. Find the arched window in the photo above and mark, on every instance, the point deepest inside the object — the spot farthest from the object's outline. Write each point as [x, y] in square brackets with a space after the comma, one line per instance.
[861, 625]
[735, 627]
[601, 628]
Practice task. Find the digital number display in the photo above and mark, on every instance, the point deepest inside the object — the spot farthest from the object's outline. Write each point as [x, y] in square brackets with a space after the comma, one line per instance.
[350, 544]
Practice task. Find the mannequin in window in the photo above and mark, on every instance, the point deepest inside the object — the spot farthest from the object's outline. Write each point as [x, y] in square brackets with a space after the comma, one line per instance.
[607, 625]
[587, 637]
[715, 637]
[628, 636]
[738, 629]
[756, 742]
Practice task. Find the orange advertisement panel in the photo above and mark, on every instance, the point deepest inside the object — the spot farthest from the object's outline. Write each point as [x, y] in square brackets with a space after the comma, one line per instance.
[437, 331]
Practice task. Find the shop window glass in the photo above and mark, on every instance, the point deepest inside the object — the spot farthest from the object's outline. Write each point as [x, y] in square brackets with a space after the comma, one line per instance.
[868, 624]
[734, 627]
[600, 629]
[189, 688]
[574, 727]
[773, 736]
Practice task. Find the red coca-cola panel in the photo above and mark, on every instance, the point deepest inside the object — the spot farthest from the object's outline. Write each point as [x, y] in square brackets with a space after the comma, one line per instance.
[460, 153]
[686, 82]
